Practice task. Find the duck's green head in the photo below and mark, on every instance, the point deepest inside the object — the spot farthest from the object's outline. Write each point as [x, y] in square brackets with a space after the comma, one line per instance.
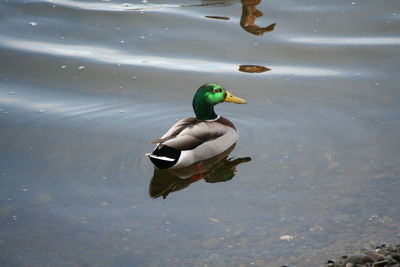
[207, 96]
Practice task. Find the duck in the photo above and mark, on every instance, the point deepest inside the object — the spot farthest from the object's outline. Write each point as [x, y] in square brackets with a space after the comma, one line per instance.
[195, 139]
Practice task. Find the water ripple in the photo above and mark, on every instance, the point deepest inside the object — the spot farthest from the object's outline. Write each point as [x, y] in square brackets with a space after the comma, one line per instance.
[370, 41]
[117, 7]
[104, 6]
[108, 55]
[82, 108]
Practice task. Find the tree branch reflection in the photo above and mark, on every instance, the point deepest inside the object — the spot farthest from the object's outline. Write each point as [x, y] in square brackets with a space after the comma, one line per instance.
[249, 15]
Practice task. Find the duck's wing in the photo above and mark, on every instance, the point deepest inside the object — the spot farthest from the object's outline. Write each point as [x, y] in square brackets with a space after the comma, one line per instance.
[189, 133]
[175, 130]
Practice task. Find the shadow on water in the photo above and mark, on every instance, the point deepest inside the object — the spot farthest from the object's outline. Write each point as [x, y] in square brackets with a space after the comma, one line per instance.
[213, 170]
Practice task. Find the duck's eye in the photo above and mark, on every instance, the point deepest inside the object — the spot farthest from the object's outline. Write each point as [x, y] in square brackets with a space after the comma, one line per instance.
[219, 90]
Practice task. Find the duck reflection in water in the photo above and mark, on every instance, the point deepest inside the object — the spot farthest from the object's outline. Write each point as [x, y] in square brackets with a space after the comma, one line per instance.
[217, 169]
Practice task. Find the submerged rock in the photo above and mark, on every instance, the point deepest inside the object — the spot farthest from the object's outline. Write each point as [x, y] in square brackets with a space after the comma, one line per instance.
[356, 260]
[382, 256]
[211, 243]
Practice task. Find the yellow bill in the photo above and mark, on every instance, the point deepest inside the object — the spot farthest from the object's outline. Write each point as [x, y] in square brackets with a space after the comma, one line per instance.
[234, 99]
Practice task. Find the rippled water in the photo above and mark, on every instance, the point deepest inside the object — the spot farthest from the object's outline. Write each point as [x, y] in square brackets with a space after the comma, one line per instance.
[84, 85]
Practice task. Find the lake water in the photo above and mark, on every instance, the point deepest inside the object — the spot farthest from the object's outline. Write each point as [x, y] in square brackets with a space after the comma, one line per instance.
[84, 86]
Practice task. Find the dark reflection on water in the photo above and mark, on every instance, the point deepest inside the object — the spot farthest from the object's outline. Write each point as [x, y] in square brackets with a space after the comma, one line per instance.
[218, 17]
[253, 68]
[206, 3]
[247, 21]
[248, 18]
[249, 15]
[213, 170]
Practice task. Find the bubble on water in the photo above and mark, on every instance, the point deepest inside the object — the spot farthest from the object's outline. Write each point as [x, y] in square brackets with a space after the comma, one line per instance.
[118, 28]
[144, 1]
[41, 110]
[32, 24]
[81, 67]
[122, 111]
[376, 84]
[255, 44]
[25, 189]
[166, 28]
[62, 37]
[128, 230]
[11, 92]
[353, 3]
[122, 41]
[216, 220]
[142, 37]
[133, 77]
[286, 237]
[63, 67]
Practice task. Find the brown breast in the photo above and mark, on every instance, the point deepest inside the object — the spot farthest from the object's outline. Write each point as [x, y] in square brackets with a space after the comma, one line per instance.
[226, 122]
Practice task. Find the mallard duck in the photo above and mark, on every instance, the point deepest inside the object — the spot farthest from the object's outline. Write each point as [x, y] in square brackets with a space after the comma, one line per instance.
[195, 139]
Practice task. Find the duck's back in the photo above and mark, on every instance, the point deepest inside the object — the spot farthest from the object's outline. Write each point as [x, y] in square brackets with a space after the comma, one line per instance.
[191, 140]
